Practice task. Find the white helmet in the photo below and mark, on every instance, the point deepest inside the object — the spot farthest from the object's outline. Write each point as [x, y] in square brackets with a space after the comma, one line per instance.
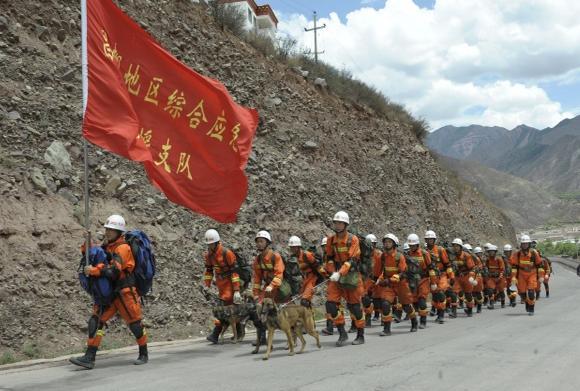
[507, 247]
[265, 235]
[116, 222]
[491, 247]
[430, 235]
[405, 246]
[324, 241]
[413, 239]
[457, 241]
[294, 241]
[467, 246]
[371, 238]
[477, 250]
[393, 238]
[487, 245]
[342, 217]
[525, 239]
[211, 236]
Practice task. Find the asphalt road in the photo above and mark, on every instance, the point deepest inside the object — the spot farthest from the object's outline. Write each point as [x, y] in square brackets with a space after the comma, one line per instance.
[503, 349]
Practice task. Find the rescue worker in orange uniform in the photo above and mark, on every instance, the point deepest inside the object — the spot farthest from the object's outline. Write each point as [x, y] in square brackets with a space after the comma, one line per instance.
[392, 283]
[465, 278]
[495, 281]
[126, 302]
[511, 290]
[342, 262]
[311, 271]
[547, 266]
[480, 272]
[428, 280]
[220, 263]
[444, 273]
[268, 268]
[526, 267]
[368, 280]
[329, 329]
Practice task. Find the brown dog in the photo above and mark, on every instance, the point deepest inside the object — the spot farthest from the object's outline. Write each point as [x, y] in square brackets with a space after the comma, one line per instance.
[291, 319]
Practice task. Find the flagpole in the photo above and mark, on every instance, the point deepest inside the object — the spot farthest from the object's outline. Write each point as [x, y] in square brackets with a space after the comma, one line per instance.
[85, 78]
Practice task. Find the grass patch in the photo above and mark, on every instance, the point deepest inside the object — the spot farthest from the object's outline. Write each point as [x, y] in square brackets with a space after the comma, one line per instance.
[7, 358]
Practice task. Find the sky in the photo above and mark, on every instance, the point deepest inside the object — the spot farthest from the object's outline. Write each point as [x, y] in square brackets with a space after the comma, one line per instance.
[453, 62]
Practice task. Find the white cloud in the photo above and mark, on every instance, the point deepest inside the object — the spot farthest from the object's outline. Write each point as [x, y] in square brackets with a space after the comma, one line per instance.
[461, 54]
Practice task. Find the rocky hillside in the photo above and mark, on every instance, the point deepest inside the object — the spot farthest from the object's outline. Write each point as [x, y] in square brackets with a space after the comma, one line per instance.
[525, 203]
[550, 157]
[313, 154]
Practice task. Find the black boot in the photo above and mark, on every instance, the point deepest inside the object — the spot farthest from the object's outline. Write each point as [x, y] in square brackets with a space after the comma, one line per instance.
[469, 312]
[329, 330]
[377, 316]
[503, 303]
[547, 294]
[531, 310]
[440, 316]
[352, 327]
[537, 295]
[397, 316]
[527, 307]
[143, 356]
[485, 300]
[479, 308]
[343, 336]
[423, 322]
[453, 313]
[368, 320]
[414, 324]
[490, 306]
[386, 329]
[88, 360]
[360, 337]
[215, 335]
[433, 311]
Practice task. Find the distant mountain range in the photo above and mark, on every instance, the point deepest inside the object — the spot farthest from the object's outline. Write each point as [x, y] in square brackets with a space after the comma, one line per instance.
[509, 165]
[549, 157]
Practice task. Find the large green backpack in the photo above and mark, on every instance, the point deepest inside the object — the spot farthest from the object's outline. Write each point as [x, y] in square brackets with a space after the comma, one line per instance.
[413, 273]
[292, 275]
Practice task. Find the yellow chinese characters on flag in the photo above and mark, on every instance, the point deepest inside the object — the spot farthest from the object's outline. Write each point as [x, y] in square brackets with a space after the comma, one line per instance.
[145, 105]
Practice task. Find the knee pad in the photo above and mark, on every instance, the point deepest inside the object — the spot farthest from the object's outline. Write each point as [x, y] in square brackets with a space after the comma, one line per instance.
[408, 308]
[469, 296]
[439, 297]
[366, 301]
[93, 326]
[386, 307]
[137, 329]
[422, 303]
[356, 310]
[531, 293]
[332, 308]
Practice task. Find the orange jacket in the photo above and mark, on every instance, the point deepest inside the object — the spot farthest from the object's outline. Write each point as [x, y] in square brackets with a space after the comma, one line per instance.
[424, 259]
[308, 264]
[496, 267]
[215, 264]
[526, 261]
[121, 259]
[465, 264]
[441, 260]
[339, 255]
[268, 270]
[377, 257]
[389, 265]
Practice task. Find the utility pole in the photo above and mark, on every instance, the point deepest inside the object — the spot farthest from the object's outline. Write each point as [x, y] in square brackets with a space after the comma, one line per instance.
[315, 29]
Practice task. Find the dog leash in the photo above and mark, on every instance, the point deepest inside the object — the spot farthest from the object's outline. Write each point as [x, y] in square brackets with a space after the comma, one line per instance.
[294, 298]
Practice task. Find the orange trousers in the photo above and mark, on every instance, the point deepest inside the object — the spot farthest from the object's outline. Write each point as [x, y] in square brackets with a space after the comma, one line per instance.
[128, 305]
[308, 284]
[226, 290]
[335, 292]
[527, 284]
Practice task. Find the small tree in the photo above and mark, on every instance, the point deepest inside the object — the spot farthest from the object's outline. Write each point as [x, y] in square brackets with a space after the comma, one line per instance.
[227, 16]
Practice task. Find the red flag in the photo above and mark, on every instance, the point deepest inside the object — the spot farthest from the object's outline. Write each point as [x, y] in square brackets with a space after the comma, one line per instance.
[145, 105]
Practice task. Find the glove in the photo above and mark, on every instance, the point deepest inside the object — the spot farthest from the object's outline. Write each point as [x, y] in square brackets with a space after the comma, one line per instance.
[335, 277]
[433, 287]
[87, 270]
[514, 282]
[541, 280]
[269, 288]
[472, 281]
[237, 298]
[395, 278]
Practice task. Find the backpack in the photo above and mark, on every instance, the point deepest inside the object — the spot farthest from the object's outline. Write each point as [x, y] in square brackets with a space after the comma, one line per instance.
[144, 261]
[100, 288]
[292, 274]
[243, 268]
[413, 273]
[366, 258]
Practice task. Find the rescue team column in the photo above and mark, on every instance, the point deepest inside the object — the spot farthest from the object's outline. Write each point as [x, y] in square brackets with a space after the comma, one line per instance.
[145, 105]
